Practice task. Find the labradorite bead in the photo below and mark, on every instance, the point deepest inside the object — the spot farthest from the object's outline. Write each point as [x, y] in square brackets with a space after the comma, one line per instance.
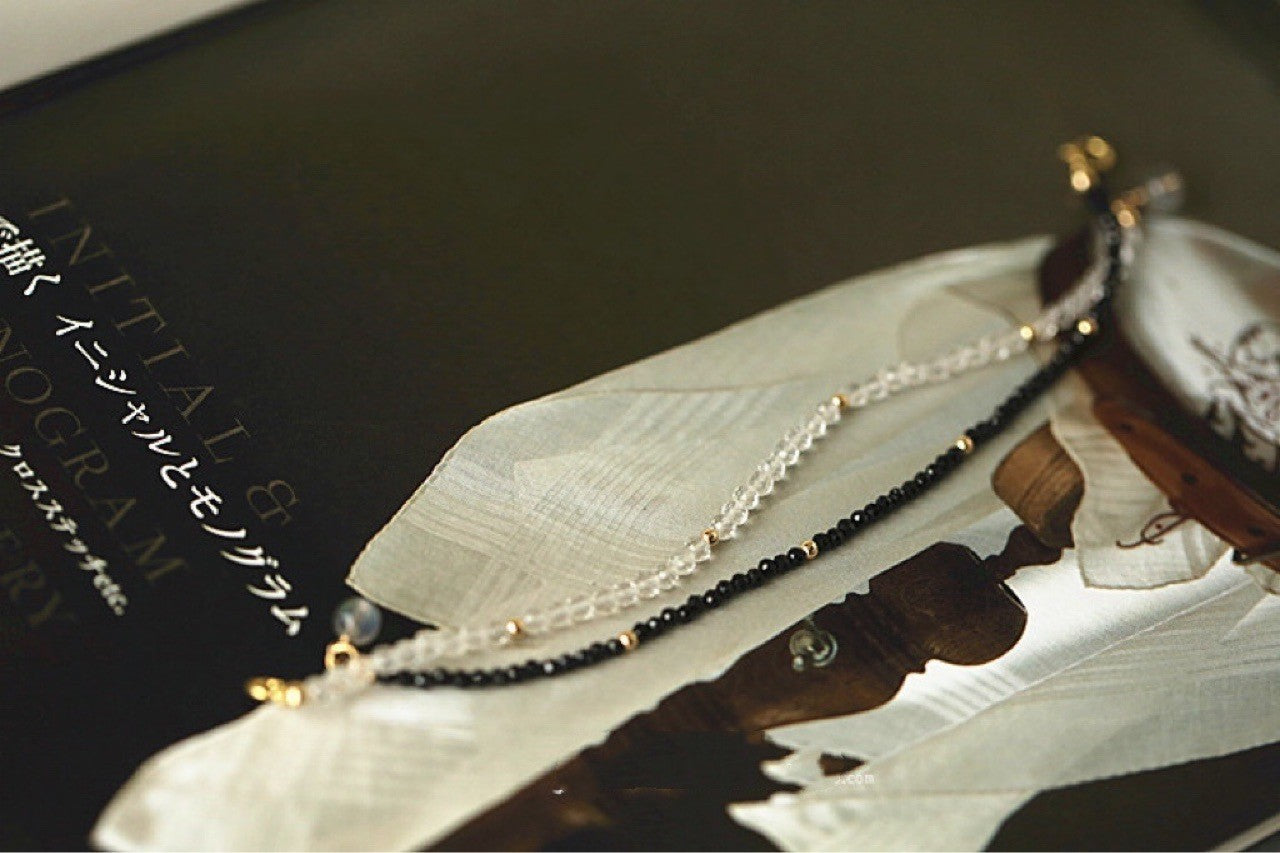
[359, 619]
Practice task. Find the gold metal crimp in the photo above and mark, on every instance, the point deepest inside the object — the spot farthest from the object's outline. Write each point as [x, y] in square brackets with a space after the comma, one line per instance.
[1027, 333]
[629, 640]
[965, 444]
[711, 536]
[277, 690]
[514, 628]
[340, 652]
[1086, 326]
[810, 548]
[1087, 158]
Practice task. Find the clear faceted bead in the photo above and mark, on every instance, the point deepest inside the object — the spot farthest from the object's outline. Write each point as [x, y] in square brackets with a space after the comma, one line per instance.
[627, 593]
[799, 438]
[581, 608]
[747, 497]
[762, 480]
[700, 548]
[648, 587]
[683, 564]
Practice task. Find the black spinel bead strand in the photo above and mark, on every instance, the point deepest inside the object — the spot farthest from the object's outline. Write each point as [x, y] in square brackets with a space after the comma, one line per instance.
[1071, 344]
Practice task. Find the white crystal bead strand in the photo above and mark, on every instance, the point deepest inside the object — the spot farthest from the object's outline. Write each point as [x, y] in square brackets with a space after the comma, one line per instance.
[427, 646]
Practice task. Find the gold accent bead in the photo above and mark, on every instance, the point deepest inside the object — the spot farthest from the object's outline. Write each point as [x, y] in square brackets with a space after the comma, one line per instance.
[841, 400]
[965, 444]
[810, 548]
[1028, 333]
[1086, 326]
[514, 628]
[629, 640]
[277, 690]
[711, 536]
[1081, 180]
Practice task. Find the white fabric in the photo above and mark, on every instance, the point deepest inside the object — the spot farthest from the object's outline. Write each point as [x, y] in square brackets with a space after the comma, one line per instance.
[582, 488]
[1125, 533]
[1104, 682]
[1207, 319]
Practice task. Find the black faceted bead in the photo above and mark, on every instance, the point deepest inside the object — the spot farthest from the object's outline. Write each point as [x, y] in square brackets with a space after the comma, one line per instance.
[481, 678]
[896, 495]
[858, 518]
[684, 614]
[755, 577]
[597, 652]
[784, 562]
[822, 541]
[710, 599]
[884, 504]
[923, 479]
[739, 582]
[767, 567]
[655, 625]
[667, 616]
[835, 537]
[613, 647]
[797, 556]
[531, 668]
[910, 489]
[458, 678]
[555, 666]
[514, 674]
[498, 676]
[872, 511]
[694, 603]
[846, 527]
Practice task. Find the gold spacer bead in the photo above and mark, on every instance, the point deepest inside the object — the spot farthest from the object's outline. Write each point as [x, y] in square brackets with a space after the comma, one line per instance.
[1028, 333]
[1081, 180]
[260, 689]
[711, 536]
[841, 400]
[1086, 326]
[277, 690]
[1126, 214]
[292, 695]
[965, 444]
[514, 628]
[1104, 156]
[810, 548]
[629, 640]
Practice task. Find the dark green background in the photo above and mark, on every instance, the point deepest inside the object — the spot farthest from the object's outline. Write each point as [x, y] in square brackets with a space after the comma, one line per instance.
[379, 222]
